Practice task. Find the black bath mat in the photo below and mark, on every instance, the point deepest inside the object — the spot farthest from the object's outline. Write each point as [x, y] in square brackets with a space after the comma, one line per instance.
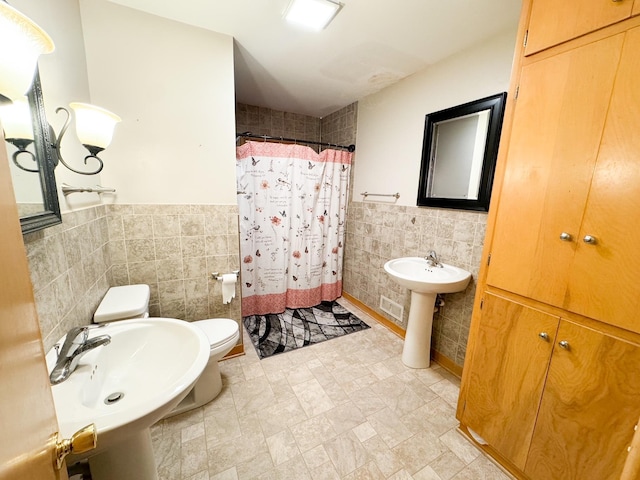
[277, 333]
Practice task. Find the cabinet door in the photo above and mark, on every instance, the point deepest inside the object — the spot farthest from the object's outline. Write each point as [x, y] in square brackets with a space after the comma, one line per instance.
[553, 22]
[558, 122]
[606, 274]
[507, 372]
[589, 408]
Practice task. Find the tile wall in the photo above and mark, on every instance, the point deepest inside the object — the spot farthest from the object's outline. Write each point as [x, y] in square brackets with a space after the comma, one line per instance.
[173, 248]
[265, 121]
[70, 269]
[378, 232]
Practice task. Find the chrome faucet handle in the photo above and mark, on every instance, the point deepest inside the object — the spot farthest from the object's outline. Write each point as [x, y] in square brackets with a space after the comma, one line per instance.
[71, 342]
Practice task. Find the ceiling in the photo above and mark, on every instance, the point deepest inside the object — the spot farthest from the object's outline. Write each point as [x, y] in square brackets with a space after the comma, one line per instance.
[370, 45]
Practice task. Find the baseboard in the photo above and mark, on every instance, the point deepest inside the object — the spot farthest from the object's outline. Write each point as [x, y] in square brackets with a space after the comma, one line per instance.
[442, 360]
[446, 363]
[235, 352]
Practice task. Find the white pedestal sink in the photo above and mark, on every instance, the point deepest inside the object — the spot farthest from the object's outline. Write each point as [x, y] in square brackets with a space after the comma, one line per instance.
[153, 363]
[425, 282]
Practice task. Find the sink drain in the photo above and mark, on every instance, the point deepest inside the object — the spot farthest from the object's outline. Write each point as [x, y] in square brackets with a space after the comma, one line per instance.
[113, 398]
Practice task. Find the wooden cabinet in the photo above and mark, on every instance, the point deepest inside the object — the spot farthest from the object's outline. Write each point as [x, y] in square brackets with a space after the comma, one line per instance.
[573, 172]
[562, 244]
[553, 22]
[557, 399]
[505, 385]
[604, 282]
[589, 407]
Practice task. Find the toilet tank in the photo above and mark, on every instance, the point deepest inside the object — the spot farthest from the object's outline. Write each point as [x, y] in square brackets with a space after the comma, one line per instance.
[123, 303]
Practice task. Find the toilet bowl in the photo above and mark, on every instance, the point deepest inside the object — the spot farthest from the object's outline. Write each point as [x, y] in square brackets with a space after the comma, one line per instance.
[132, 301]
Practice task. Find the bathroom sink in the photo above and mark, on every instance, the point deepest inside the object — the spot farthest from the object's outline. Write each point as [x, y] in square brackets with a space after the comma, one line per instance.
[417, 275]
[131, 383]
[425, 282]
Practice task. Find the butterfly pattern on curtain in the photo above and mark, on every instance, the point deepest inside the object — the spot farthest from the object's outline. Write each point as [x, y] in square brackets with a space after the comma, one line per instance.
[292, 205]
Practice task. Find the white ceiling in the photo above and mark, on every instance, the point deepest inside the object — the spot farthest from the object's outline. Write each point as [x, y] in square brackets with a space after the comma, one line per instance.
[370, 45]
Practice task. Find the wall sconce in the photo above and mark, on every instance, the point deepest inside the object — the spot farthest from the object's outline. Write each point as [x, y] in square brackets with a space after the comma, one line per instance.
[94, 128]
[23, 42]
[27, 41]
[18, 129]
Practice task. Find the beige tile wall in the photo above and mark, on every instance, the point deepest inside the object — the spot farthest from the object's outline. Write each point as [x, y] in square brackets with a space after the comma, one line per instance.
[378, 232]
[340, 127]
[265, 121]
[173, 248]
[70, 269]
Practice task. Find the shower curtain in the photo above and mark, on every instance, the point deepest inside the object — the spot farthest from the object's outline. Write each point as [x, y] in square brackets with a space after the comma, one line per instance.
[292, 204]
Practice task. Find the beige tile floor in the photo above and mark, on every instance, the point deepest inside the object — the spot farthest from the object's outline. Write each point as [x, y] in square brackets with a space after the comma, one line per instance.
[343, 409]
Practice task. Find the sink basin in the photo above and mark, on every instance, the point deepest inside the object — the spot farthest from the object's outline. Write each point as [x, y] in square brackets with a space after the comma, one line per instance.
[415, 274]
[151, 364]
[425, 282]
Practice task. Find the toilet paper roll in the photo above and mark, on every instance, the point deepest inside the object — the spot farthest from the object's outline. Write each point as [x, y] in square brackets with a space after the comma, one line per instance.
[228, 287]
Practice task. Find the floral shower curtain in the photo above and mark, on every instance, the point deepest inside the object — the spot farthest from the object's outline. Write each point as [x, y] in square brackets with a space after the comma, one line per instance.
[292, 204]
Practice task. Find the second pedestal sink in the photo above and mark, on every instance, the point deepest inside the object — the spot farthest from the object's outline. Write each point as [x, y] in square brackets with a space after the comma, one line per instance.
[425, 281]
[126, 386]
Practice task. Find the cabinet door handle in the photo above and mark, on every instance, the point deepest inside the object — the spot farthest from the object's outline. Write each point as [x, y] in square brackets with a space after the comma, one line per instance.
[564, 344]
[544, 336]
[565, 237]
[589, 239]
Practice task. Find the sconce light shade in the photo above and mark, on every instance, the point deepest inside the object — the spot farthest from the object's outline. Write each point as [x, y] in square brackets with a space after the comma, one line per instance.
[94, 125]
[16, 120]
[22, 43]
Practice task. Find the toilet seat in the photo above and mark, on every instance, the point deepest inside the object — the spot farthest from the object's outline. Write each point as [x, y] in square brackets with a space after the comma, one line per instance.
[218, 330]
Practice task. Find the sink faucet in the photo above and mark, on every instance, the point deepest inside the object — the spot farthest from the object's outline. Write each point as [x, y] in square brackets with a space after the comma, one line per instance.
[432, 259]
[76, 344]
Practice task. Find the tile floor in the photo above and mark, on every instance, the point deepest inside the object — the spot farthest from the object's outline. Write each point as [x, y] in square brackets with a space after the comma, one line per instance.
[343, 409]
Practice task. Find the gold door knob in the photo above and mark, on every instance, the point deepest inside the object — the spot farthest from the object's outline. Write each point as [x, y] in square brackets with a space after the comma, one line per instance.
[81, 441]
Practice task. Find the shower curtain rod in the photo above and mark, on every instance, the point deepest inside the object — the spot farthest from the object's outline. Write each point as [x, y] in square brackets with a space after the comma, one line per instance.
[350, 148]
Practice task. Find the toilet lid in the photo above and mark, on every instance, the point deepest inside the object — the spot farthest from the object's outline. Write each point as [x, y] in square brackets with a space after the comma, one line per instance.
[123, 302]
[218, 330]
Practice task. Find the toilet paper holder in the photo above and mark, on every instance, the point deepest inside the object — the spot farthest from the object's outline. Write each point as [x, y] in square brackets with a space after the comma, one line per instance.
[217, 276]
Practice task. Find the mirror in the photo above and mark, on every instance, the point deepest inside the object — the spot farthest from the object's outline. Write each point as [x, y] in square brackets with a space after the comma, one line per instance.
[34, 182]
[459, 154]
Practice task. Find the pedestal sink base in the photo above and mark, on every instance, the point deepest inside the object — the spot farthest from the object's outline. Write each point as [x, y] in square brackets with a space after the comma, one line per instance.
[131, 459]
[417, 341]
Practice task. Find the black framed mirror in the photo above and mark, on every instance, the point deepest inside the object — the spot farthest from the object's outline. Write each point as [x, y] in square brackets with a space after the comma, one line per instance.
[35, 186]
[459, 153]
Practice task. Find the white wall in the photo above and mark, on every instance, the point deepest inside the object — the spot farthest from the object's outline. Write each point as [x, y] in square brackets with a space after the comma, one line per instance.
[173, 86]
[391, 122]
[63, 75]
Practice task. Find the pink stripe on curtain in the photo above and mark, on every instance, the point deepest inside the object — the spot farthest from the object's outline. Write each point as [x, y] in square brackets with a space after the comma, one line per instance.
[272, 303]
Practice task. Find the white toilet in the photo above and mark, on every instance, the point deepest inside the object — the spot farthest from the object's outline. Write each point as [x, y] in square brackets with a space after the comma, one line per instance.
[132, 301]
